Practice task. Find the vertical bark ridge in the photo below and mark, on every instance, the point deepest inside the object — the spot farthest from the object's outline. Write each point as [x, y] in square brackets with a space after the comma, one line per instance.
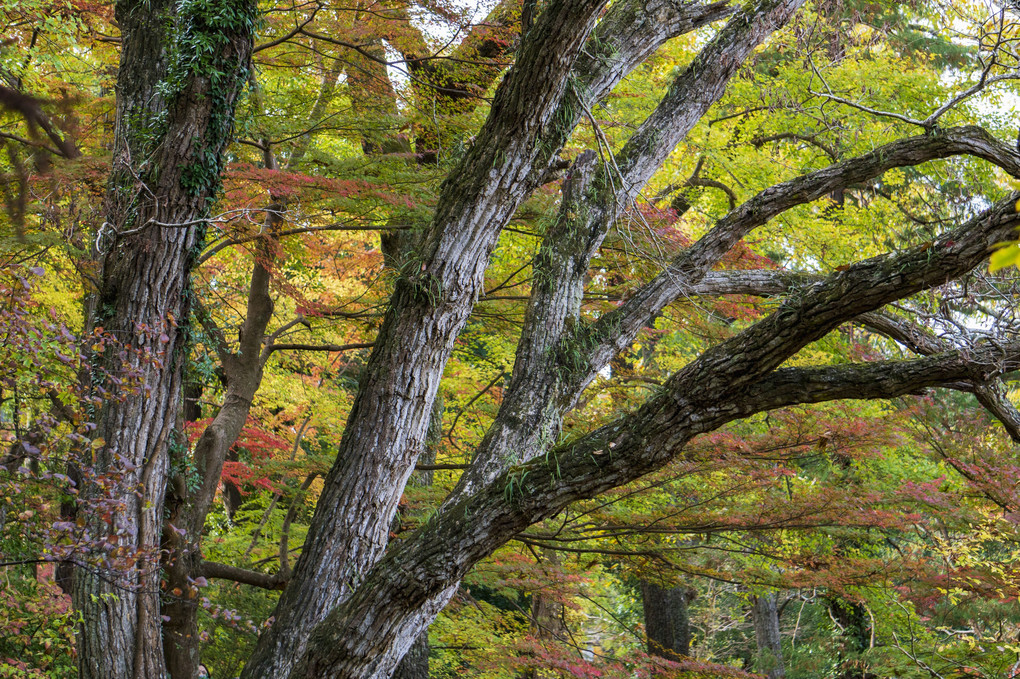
[432, 299]
[173, 123]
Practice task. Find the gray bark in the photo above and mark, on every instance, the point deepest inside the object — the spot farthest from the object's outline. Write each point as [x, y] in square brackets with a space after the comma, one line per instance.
[415, 663]
[166, 163]
[765, 618]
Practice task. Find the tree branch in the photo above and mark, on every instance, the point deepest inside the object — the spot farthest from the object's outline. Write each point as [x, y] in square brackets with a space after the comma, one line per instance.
[332, 348]
[616, 330]
[525, 419]
[990, 395]
[733, 380]
[214, 569]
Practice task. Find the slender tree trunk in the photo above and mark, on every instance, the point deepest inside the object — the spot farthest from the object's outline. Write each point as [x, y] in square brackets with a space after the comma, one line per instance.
[187, 510]
[173, 123]
[765, 617]
[667, 622]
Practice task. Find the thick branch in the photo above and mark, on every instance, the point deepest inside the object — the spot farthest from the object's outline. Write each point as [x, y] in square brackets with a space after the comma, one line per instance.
[631, 32]
[695, 89]
[731, 381]
[422, 568]
[531, 412]
[625, 37]
[990, 395]
[617, 330]
[523, 420]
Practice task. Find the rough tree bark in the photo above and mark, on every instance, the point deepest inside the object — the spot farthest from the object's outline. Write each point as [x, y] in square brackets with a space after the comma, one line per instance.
[186, 511]
[739, 377]
[765, 619]
[388, 421]
[353, 610]
[667, 621]
[174, 118]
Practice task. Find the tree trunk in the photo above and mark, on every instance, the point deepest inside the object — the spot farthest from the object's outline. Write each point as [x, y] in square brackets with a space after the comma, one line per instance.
[415, 664]
[173, 123]
[765, 617]
[667, 623]
[855, 636]
[369, 631]
[187, 510]
[431, 302]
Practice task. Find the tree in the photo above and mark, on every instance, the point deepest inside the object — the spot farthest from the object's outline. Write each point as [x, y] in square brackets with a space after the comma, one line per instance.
[517, 477]
[182, 68]
[666, 619]
[357, 600]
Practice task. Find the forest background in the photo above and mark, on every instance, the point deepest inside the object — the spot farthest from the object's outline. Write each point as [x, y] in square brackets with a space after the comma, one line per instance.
[533, 339]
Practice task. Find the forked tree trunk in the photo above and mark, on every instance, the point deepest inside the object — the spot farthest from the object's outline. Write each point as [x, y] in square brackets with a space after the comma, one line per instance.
[430, 305]
[173, 123]
[386, 429]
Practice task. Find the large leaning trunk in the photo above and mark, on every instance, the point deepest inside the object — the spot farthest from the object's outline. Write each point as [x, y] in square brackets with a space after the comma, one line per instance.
[364, 635]
[175, 106]
[386, 429]
[532, 114]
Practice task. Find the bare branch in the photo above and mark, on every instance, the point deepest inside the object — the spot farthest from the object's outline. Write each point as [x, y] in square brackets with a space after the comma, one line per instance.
[331, 348]
[214, 569]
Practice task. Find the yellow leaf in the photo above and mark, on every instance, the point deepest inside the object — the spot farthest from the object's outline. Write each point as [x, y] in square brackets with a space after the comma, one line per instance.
[1004, 257]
